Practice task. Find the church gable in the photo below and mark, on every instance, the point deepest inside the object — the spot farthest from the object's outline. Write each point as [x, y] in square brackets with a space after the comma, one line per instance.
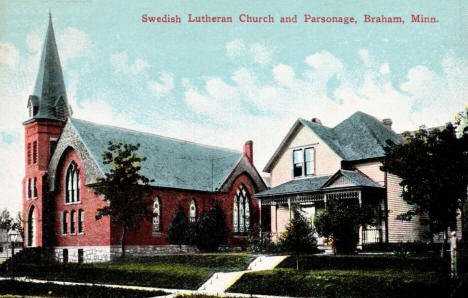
[70, 139]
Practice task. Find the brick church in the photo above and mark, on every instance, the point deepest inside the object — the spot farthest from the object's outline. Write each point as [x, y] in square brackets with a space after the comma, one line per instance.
[63, 155]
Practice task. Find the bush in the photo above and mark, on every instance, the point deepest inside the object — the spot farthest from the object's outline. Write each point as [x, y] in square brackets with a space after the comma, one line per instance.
[212, 230]
[287, 282]
[177, 233]
[403, 248]
[299, 235]
[341, 221]
[343, 262]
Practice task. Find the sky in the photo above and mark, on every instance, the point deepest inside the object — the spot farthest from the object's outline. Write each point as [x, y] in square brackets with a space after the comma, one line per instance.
[224, 84]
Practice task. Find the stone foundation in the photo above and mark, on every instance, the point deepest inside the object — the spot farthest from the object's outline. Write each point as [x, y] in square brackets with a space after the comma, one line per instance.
[98, 254]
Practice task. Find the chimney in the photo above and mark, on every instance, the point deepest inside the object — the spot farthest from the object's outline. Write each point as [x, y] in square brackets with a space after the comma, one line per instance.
[387, 123]
[248, 151]
[316, 120]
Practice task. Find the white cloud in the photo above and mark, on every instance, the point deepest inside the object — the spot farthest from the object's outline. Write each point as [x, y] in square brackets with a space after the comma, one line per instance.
[123, 65]
[284, 74]
[8, 54]
[256, 53]
[261, 54]
[163, 87]
[384, 68]
[235, 48]
[73, 43]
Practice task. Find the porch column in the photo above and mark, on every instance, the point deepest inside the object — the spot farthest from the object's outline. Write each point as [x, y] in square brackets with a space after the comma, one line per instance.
[325, 200]
[360, 199]
[289, 208]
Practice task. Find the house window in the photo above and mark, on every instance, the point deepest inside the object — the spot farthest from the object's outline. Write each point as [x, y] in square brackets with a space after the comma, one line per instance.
[34, 152]
[192, 212]
[64, 222]
[303, 162]
[241, 211]
[72, 184]
[29, 154]
[156, 215]
[72, 222]
[80, 221]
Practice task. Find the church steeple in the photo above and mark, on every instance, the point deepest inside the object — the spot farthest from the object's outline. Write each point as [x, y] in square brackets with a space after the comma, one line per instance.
[49, 98]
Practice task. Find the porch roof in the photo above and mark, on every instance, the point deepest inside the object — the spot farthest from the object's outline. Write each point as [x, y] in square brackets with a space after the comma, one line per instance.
[321, 183]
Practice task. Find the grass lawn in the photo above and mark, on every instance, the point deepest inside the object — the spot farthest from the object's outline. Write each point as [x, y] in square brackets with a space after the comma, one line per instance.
[339, 283]
[11, 288]
[176, 271]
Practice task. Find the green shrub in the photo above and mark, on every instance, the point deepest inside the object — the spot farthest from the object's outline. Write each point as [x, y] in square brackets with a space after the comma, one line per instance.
[359, 262]
[288, 282]
[12, 287]
[212, 230]
[340, 222]
[177, 233]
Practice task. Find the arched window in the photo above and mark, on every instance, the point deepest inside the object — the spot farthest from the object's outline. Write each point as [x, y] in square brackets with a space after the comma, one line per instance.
[241, 211]
[80, 221]
[72, 183]
[72, 221]
[64, 222]
[193, 211]
[156, 215]
[31, 226]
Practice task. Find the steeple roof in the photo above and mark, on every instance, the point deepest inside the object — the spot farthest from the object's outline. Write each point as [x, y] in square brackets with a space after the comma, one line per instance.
[49, 98]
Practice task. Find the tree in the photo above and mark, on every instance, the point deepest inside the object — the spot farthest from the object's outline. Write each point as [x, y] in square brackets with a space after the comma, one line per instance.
[340, 222]
[212, 230]
[433, 167]
[177, 233]
[299, 236]
[124, 188]
[6, 221]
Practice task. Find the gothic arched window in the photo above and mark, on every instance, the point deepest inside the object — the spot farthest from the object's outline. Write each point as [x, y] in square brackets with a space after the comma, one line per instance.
[156, 215]
[241, 211]
[72, 194]
[192, 211]
[31, 227]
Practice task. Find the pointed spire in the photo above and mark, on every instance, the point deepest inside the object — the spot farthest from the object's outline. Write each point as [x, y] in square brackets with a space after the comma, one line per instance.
[49, 99]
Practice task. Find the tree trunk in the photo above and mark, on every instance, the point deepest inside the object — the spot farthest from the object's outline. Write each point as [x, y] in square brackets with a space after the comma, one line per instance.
[122, 241]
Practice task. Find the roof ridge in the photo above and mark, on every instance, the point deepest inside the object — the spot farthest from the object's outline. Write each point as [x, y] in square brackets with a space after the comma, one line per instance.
[156, 135]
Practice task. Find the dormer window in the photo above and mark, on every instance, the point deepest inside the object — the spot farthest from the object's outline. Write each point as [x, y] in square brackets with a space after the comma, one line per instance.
[303, 162]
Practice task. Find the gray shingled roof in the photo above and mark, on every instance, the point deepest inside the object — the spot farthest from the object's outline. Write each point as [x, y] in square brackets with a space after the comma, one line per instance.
[295, 186]
[357, 179]
[171, 163]
[314, 184]
[360, 136]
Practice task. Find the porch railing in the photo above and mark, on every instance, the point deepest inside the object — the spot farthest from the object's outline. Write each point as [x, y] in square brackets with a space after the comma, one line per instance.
[371, 235]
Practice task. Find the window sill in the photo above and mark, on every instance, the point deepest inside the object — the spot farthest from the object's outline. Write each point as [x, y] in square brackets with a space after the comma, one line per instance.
[157, 234]
[73, 203]
[240, 235]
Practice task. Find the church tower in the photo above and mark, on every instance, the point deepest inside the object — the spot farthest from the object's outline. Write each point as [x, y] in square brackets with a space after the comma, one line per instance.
[48, 112]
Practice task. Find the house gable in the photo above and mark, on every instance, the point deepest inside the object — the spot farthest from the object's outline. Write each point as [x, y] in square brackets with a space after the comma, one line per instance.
[280, 165]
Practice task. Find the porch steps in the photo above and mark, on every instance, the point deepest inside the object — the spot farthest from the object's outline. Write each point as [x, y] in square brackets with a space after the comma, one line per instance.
[219, 282]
